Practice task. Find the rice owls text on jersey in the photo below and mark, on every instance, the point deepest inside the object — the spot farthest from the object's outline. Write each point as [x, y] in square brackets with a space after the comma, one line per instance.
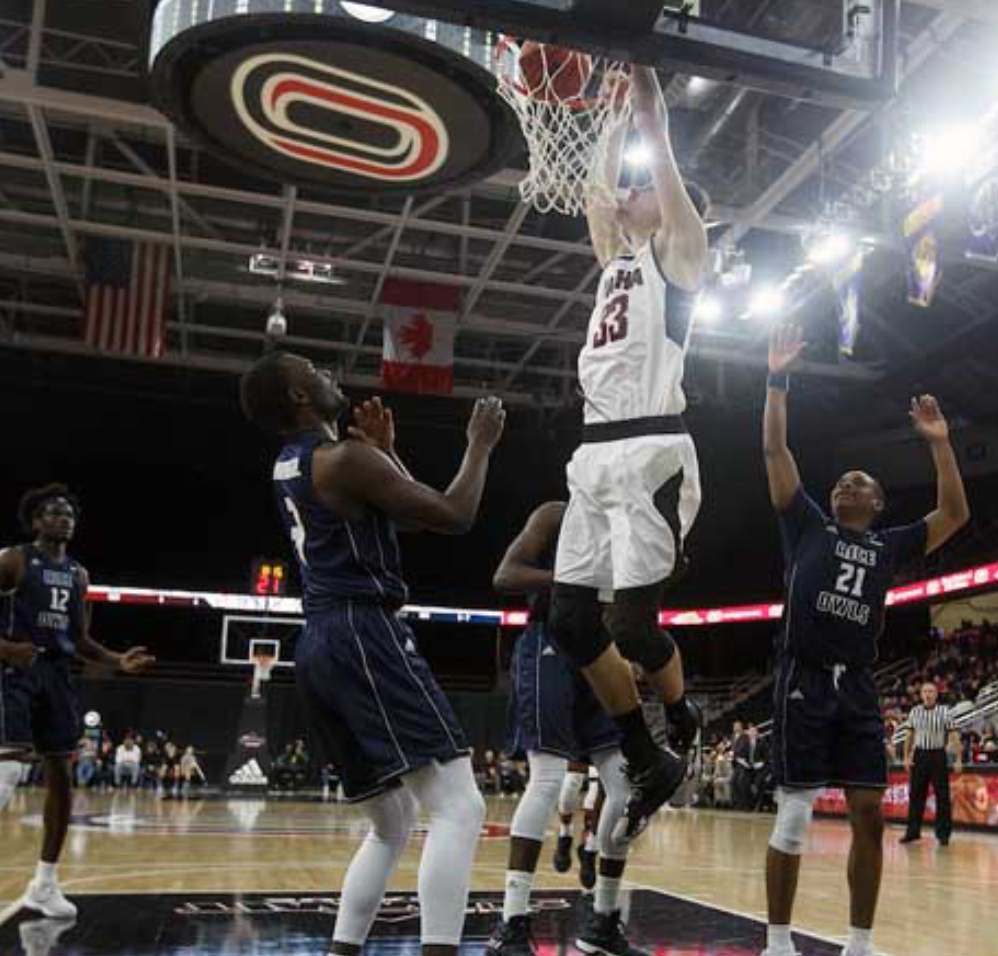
[632, 363]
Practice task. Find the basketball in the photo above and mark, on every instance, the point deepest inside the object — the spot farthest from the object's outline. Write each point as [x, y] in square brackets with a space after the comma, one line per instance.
[554, 73]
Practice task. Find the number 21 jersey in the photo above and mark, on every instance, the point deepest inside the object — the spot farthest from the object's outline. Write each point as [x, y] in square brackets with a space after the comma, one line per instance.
[837, 583]
[632, 363]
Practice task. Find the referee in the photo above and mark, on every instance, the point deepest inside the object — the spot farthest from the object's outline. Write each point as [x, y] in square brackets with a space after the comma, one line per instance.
[930, 727]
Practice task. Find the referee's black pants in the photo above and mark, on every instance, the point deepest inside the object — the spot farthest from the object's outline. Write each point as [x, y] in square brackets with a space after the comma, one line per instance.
[929, 767]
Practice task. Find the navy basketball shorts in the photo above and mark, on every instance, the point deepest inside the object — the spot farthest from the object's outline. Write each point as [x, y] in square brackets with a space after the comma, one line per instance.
[552, 709]
[372, 699]
[827, 728]
[38, 708]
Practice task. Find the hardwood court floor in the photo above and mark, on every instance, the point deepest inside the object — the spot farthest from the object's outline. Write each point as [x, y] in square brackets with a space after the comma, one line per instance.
[935, 902]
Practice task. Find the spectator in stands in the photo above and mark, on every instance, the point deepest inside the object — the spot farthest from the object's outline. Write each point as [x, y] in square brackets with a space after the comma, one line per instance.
[190, 770]
[723, 774]
[512, 778]
[105, 762]
[169, 771]
[290, 767]
[128, 763]
[152, 762]
[490, 772]
[745, 747]
[86, 761]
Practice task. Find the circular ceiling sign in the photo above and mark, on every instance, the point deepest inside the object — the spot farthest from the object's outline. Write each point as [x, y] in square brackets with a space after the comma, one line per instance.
[328, 100]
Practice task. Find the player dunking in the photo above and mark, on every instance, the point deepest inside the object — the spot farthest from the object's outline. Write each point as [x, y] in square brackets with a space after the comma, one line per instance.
[383, 720]
[555, 719]
[827, 726]
[46, 625]
[634, 482]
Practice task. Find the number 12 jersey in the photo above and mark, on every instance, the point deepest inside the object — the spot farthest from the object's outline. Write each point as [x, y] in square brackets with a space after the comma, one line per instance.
[632, 363]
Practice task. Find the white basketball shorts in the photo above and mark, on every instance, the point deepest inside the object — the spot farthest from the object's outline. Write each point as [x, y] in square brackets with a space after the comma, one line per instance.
[633, 501]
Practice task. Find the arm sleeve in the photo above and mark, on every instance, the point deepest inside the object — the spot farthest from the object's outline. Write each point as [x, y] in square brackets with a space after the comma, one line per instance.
[907, 543]
[797, 519]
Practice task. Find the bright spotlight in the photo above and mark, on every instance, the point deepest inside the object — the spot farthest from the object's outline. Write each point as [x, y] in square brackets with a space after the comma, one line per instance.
[830, 249]
[637, 155]
[698, 85]
[948, 150]
[368, 14]
[766, 301]
[708, 309]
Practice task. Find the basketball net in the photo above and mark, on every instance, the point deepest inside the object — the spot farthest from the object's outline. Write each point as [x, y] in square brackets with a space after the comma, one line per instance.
[567, 136]
[263, 664]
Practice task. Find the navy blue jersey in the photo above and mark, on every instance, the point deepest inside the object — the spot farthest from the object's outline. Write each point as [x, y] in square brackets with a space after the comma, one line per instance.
[340, 559]
[837, 583]
[539, 602]
[47, 607]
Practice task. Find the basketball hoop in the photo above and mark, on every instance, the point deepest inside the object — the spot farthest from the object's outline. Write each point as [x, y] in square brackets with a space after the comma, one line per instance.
[567, 103]
[263, 664]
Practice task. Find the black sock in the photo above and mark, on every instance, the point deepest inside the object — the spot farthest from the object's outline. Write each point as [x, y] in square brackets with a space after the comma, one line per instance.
[637, 746]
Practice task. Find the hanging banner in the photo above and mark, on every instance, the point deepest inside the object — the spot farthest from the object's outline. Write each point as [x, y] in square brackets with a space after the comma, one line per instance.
[924, 272]
[847, 284]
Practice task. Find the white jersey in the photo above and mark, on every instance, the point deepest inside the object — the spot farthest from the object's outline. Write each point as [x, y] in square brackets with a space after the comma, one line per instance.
[632, 363]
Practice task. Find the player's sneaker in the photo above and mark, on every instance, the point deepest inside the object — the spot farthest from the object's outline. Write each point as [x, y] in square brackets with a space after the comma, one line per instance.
[39, 936]
[48, 899]
[587, 867]
[685, 722]
[511, 938]
[651, 789]
[604, 935]
[563, 854]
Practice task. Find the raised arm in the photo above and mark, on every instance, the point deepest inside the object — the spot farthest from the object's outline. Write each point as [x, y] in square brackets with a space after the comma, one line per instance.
[682, 241]
[367, 474]
[133, 661]
[601, 208]
[518, 572]
[952, 511]
[785, 346]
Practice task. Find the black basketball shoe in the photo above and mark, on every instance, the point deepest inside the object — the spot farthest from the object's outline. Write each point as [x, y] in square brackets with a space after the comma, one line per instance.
[587, 867]
[604, 936]
[512, 938]
[563, 854]
[651, 789]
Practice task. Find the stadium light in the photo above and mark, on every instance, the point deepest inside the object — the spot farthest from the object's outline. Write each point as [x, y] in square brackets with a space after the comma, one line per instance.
[637, 155]
[765, 301]
[830, 249]
[367, 13]
[947, 150]
[708, 309]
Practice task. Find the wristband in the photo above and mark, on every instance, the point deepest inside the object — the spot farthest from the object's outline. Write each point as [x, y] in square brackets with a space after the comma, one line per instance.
[781, 382]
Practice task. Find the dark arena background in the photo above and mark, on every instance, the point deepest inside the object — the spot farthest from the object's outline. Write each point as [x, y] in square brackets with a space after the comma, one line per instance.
[342, 181]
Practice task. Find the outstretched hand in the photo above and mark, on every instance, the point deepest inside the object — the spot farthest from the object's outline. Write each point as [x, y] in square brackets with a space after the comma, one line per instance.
[136, 660]
[375, 425]
[928, 419]
[785, 347]
[487, 421]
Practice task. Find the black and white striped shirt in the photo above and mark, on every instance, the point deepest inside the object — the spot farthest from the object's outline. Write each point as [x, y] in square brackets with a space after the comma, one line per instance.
[932, 726]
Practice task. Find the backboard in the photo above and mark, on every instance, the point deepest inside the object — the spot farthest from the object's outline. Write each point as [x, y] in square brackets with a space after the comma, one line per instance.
[244, 635]
[841, 52]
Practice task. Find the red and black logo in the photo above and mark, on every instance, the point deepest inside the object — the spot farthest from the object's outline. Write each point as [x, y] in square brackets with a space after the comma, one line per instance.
[324, 101]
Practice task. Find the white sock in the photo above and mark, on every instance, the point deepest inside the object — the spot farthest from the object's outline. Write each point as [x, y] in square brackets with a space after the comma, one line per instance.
[565, 830]
[46, 872]
[10, 776]
[607, 895]
[591, 843]
[778, 939]
[860, 941]
[517, 898]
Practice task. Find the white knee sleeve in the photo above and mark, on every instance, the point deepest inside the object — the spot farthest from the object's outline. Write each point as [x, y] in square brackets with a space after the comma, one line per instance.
[793, 819]
[570, 798]
[540, 799]
[10, 777]
[610, 764]
[592, 794]
[393, 816]
[448, 794]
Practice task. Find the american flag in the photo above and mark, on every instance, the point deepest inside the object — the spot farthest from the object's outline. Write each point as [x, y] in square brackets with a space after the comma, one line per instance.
[126, 296]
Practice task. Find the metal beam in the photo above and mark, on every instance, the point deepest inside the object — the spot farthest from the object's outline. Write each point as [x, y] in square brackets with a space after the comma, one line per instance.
[984, 11]
[495, 257]
[35, 38]
[44, 145]
[178, 253]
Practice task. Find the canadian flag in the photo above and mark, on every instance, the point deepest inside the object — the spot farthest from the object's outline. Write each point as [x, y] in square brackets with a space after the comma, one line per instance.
[418, 351]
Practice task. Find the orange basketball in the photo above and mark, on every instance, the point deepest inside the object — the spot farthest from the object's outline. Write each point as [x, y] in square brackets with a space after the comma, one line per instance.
[554, 73]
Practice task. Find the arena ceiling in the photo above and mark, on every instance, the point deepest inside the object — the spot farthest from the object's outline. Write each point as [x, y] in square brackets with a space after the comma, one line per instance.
[83, 153]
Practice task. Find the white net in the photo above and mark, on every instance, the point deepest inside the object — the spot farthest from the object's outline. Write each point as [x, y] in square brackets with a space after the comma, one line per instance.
[263, 666]
[567, 104]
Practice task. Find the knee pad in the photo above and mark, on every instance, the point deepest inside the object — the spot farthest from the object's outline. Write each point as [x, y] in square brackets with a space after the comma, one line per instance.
[570, 798]
[634, 629]
[540, 799]
[793, 819]
[393, 816]
[574, 623]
